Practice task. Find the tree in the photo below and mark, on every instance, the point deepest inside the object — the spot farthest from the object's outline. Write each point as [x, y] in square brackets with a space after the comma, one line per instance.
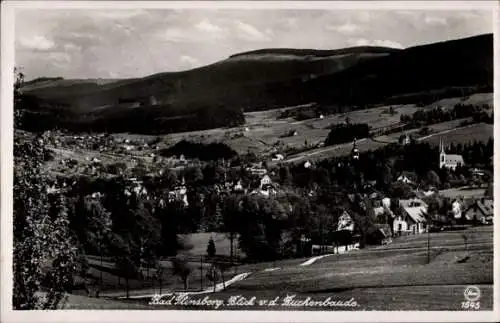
[211, 248]
[18, 96]
[182, 268]
[400, 190]
[41, 234]
[230, 217]
[159, 274]
[363, 215]
[260, 226]
[285, 176]
[433, 179]
[43, 246]
[127, 267]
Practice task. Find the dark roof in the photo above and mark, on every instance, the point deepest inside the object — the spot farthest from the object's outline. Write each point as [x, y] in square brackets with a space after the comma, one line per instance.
[485, 206]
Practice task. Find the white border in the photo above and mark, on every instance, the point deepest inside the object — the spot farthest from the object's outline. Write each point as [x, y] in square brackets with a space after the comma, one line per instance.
[6, 166]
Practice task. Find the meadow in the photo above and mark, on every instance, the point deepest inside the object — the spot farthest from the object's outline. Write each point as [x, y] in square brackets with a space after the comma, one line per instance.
[391, 277]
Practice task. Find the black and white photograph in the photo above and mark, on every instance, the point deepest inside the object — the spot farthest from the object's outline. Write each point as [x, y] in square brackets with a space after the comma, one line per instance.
[249, 157]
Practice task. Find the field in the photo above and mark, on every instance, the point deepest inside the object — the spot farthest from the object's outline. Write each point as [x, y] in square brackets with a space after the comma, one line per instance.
[479, 132]
[462, 192]
[263, 134]
[392, 277]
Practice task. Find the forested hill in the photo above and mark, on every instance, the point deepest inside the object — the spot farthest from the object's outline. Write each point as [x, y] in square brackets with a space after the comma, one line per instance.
[458, 63]
[265, 79]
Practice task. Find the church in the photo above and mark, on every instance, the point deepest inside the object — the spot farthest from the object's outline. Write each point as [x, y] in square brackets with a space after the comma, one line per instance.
[447, 160]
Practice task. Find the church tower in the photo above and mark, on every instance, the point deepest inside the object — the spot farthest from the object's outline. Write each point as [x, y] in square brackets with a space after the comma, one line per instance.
[355, 151]
[442, 154]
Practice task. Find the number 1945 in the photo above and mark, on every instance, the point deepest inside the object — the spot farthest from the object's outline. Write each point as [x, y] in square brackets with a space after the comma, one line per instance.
[468, 305]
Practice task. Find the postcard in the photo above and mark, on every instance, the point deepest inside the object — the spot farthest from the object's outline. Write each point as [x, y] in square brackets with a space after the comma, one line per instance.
[227, 161]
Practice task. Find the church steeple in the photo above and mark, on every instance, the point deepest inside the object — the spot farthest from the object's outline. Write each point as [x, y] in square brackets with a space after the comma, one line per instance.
[355, 151]
[442, 154]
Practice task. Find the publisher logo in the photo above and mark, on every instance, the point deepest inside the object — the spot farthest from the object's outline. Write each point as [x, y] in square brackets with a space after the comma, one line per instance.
[472, 293]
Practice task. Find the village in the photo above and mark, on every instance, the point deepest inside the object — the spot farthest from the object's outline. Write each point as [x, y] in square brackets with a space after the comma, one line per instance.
[141, 161]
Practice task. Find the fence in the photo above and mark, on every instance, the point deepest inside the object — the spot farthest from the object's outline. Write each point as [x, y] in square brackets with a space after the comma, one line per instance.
[172, 274]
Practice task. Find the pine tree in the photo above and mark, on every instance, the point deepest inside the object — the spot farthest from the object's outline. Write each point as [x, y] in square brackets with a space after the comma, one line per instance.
[211, 248]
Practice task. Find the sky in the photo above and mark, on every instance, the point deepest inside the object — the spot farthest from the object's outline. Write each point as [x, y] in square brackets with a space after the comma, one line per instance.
[123, 43]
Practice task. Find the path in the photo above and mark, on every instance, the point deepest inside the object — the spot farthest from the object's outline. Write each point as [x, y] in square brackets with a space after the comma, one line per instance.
[320, 151]
[218, 288]
[313, 260]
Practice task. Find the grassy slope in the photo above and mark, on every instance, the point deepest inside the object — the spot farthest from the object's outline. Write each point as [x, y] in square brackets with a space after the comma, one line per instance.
[392, 277]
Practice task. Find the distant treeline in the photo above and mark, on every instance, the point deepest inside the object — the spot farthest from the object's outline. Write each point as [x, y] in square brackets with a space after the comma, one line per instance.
[426, 98]
[43, 79]
[154, 119]
[345, 132]
[479, 113]
[205, 152]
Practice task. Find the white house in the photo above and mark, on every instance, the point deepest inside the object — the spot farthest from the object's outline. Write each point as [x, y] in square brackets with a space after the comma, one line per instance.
[447, 160]
[238, 187]
[456, 208]
[412, 219]
[278, 157]
[307, 164]
[345, 222]
[265, 181]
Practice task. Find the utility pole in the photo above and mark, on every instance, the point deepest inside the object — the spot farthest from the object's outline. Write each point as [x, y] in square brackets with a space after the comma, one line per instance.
[201, 273]
[100, 254]
[428, 243]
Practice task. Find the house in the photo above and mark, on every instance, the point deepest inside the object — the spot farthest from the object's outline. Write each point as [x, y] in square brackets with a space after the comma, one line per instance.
[238, 187]
[481, 211]
[447, 160]
[182, 160]
[412, 218]
[378, 211]
[265, 181]
[307, 164]
[406, 178]
[345, 222]
[477, 172]
[179, 193]
[278, 157]
[257, 171]
[456, 209]
[406, 140]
